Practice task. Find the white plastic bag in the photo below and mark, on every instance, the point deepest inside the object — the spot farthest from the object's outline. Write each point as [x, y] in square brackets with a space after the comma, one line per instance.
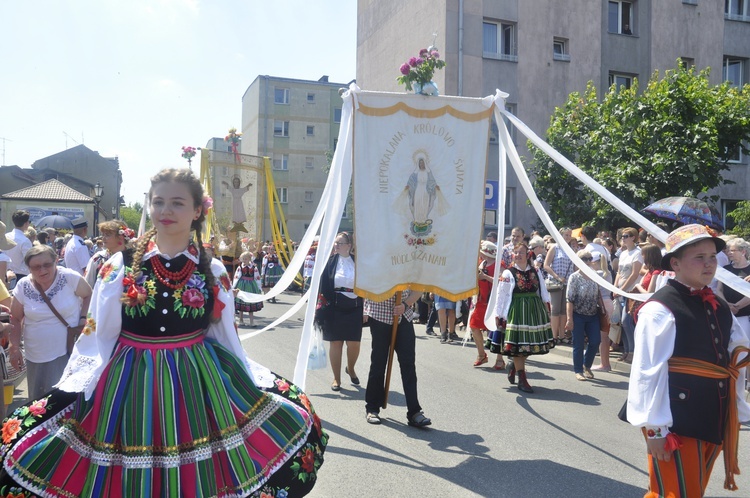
[317, 360]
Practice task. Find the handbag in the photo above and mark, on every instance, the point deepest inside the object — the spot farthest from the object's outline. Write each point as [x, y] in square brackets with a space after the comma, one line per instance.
[12, 376]
[317, 359]
[552, 283]
[73, 332]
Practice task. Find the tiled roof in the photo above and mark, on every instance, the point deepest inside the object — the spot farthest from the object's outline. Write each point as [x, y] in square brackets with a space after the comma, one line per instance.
[51, 190]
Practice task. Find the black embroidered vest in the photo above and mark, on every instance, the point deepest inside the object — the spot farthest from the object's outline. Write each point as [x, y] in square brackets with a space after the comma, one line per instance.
[698, 404]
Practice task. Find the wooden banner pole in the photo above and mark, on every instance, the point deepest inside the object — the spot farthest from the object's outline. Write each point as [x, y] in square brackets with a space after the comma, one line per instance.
[394, 332]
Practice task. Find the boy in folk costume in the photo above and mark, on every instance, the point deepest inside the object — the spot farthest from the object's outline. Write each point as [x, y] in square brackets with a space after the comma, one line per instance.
[687, 379]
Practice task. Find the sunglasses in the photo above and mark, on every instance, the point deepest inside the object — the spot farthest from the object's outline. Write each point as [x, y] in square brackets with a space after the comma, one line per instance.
[587, 260]
[626, 236]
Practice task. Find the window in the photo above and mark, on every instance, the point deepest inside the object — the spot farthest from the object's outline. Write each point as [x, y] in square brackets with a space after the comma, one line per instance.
[727, 206]
[337, 115]
[281, 193]
[309, 162]
[620, 17]
[308, 196]
[310, 130]
[511, 108]
[510, 194]
[732, 71]
[310, 98]
[499, 41]
[687, 62]
[280, 128]
[281, 96]
[735, 154]
[621, 80]
[560, 50]
[281, 162]
[737, 10]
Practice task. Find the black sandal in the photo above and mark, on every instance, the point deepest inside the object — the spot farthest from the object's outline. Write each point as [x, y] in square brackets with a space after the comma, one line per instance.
[419, 420]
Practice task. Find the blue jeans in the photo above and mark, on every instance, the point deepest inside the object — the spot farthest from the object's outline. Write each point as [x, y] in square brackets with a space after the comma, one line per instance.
[628, 328]
[585, 326]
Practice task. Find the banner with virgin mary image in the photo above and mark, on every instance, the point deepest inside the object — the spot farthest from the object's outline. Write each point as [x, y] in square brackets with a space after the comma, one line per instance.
[419, 168]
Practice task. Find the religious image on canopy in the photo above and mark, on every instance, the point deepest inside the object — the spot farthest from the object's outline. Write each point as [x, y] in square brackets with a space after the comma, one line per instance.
[236, 185]
[419, 169]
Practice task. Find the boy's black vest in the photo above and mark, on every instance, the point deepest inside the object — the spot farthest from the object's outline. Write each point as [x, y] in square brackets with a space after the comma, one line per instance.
[698, 404]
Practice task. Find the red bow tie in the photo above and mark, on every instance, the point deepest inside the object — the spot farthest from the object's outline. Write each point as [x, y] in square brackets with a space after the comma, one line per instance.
[707, 296]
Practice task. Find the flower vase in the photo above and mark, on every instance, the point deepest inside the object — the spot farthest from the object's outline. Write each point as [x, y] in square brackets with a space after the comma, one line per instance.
[429, 88]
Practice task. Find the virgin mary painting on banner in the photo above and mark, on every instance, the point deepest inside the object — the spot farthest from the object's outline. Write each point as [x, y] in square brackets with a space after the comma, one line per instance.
[422, 193]
[419, 168]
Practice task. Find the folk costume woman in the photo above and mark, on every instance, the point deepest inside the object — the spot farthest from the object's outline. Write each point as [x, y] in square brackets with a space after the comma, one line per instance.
[522, 310]
[247, 279]
[116, 237]
[271, 270]
[158, 398]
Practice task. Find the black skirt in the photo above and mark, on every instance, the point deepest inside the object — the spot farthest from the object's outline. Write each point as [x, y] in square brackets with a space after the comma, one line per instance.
[344, 321]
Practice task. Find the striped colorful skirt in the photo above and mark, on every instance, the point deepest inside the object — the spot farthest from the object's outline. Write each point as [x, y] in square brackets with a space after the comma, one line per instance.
[247, 284]
[176, 416]
[273, 274]
[528, 330]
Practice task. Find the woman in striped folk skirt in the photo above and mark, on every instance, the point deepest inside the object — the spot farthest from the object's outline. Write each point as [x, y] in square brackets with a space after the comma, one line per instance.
[523, 312]
[159, 398]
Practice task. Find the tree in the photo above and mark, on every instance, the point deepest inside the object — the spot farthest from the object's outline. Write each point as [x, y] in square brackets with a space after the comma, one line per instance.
[131, 215]
[674, 139]
[741, 217]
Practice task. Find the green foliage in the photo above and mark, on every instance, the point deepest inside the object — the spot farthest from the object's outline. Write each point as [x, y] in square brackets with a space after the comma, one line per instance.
[673, 139]
[131, 214]
[741, 217]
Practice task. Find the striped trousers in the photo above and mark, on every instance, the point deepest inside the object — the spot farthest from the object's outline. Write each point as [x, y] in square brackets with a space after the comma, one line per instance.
[686, 474]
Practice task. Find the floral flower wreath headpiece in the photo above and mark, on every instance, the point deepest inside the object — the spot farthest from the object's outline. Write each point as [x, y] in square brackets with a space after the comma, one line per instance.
[126, 232]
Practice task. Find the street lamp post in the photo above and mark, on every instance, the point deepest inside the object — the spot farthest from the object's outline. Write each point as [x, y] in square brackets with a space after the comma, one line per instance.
[98, 191]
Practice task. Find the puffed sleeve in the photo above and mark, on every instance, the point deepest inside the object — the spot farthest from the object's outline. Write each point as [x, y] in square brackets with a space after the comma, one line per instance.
[505, 283]
[98, 338]
[224, 331]
[237, 275]
[648, 390]
[740, 336]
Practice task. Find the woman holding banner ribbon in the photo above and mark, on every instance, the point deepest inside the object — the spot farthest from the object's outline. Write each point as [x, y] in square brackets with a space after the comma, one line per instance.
[523, 311]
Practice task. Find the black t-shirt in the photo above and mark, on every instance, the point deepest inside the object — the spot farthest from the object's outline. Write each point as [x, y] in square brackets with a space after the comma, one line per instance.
[731, 295]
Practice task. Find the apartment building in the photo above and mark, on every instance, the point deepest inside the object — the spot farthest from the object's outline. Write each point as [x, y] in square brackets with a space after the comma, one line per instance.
[542, 50]
[296, 124]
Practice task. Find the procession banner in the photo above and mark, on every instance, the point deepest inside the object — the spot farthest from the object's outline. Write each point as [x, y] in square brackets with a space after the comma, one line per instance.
[419, 168]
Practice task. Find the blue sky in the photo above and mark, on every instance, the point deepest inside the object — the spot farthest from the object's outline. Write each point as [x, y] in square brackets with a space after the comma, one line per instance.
[139, 79]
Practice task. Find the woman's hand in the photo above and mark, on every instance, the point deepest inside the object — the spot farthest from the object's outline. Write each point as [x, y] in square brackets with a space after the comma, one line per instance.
[15, 356]
[657, 448]
[569, 324]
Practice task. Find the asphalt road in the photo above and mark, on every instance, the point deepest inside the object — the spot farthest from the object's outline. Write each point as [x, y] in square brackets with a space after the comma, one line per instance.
[486, 438]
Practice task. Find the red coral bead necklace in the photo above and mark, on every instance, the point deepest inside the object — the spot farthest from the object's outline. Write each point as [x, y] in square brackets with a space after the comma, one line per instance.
[172, 279]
